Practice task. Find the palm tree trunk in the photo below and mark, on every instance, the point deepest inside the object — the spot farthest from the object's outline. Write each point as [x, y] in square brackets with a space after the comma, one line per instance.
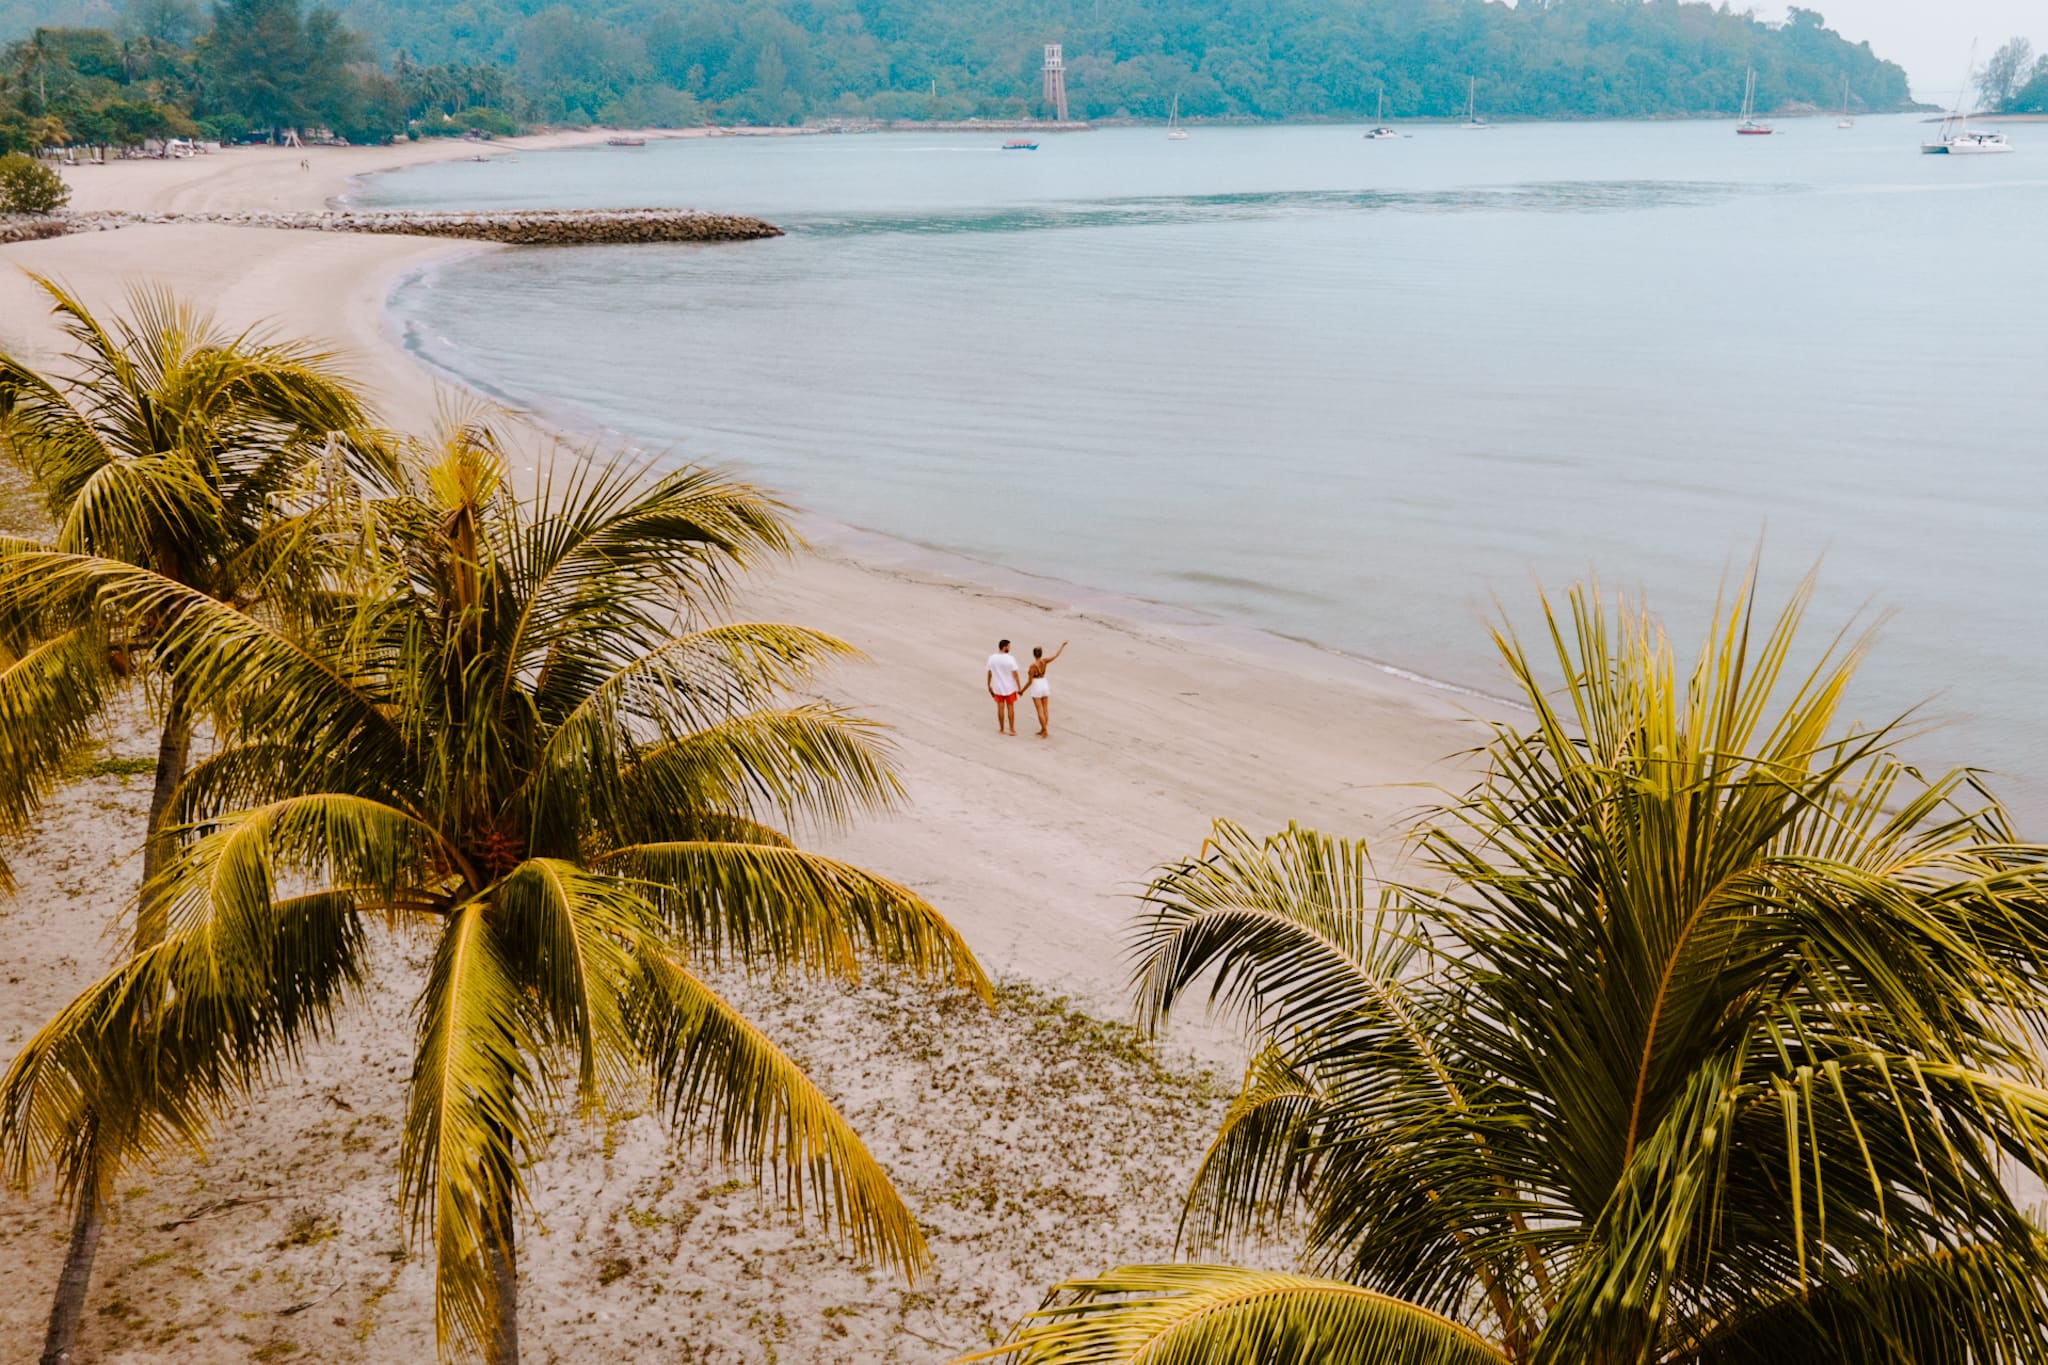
[173, 755]
[68, 1306]
[503, 1249]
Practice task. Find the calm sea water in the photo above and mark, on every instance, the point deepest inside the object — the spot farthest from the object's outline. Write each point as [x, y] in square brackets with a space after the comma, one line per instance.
[1355, 392]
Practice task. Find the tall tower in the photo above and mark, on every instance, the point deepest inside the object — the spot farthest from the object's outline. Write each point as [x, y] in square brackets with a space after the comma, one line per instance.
[1056, 82]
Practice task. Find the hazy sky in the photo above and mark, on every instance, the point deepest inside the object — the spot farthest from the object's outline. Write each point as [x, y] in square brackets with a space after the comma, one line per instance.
[1930, 38]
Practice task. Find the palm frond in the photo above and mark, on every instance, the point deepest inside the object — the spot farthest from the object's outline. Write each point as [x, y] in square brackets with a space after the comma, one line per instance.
[714, 1068]
[1206, 1315]
[568, 938]
[1294, 929]
[153, 1054]
[1969, 1305]
[472, 1123]
[814, 763]
[757, 903]
[261, 679]
[50, 695]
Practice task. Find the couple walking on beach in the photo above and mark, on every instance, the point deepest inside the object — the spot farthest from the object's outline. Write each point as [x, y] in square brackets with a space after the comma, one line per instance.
[1003, 685]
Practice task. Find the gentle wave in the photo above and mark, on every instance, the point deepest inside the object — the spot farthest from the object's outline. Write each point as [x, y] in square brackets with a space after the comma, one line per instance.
[1613, 196]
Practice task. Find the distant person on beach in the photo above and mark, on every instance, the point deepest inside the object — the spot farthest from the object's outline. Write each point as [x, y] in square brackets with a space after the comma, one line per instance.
[1038, 687]
[1002, 685]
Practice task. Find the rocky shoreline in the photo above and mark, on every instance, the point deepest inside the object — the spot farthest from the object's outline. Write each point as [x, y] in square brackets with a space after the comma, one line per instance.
[526, 227]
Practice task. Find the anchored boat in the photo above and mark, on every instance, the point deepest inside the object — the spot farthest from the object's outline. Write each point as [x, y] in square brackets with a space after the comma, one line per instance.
[1749, 127]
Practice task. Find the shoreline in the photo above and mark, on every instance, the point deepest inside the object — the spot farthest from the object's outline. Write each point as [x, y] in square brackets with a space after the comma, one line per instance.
[1033, 849]
[879, 551]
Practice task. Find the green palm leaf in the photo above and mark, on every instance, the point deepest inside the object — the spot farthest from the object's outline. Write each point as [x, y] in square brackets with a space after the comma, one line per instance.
[1706, 1029]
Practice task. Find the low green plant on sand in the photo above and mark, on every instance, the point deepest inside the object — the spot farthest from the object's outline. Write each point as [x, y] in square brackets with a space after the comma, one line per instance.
[28, 186]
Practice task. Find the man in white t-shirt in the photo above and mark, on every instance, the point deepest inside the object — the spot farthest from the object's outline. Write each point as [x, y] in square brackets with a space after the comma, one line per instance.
[1002, 685]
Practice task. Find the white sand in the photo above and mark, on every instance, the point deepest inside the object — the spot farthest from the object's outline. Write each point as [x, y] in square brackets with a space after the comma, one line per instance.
[1028, 1150]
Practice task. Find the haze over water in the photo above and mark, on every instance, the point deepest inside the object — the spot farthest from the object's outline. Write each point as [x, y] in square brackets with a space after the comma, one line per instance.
[1344, 390]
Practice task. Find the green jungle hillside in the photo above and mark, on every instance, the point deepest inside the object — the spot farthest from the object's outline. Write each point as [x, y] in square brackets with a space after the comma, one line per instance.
[780, 61]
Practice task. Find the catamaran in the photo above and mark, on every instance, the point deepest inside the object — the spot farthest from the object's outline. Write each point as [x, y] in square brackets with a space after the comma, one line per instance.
[1380, 132]
[1749, 127]
[1961, 141]
[1957, 138]
[1472, 119]
[1174, 132]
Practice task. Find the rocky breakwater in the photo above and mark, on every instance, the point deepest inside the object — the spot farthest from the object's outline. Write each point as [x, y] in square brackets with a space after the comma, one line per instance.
[519, 227]
[30, 227]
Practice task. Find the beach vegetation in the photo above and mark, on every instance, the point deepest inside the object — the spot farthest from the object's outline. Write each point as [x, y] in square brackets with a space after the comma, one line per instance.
[525, 737]
[28, 186]
[1703, 1028]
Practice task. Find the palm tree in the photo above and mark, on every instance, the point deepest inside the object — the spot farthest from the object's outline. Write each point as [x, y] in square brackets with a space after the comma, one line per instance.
[532, 743]
[185, 452]
[1704, 1033]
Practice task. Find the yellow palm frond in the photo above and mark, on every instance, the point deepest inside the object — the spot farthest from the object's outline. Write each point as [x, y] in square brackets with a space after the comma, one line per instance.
[471, 1125]
[713, 1067]
[757, 903]
[1220, 1315]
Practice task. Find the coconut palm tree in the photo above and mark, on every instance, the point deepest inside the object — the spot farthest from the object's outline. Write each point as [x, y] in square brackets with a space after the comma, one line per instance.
[1704, 1031]
[177, 448]
[532, 742]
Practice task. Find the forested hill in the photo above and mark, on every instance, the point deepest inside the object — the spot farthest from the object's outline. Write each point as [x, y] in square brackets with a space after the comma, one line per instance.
[775, 61]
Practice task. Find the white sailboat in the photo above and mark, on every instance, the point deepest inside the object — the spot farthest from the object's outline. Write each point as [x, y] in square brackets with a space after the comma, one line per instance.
[1472, 119]
[1749, 127]
[1846, 121]
[1174, 132]
[1380, 132]
[1957, 138]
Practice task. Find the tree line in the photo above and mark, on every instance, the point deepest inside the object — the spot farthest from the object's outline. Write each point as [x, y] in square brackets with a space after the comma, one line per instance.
[377, 68]
[248, 68]
[775, 61]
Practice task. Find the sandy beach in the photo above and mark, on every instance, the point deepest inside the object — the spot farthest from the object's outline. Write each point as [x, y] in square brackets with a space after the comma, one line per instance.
[1034, 1143]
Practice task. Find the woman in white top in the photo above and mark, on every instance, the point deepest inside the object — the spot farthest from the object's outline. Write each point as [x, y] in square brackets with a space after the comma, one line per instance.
[1038, 688]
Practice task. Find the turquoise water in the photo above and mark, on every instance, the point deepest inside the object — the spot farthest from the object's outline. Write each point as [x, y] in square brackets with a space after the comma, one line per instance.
[1347, 391]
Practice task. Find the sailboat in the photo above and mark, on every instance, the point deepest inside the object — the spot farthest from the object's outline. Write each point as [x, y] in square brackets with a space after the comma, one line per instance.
[1472, 119]
[1380, 132]
[1846, 121]
[1957, 138]
[1749, 127]
[1174, 132]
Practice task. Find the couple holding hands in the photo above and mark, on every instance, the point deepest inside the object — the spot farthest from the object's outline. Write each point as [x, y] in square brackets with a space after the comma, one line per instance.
[1003, 685]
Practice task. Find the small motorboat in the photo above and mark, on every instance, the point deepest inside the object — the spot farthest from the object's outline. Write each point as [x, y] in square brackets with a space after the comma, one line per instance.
[1017, 145]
